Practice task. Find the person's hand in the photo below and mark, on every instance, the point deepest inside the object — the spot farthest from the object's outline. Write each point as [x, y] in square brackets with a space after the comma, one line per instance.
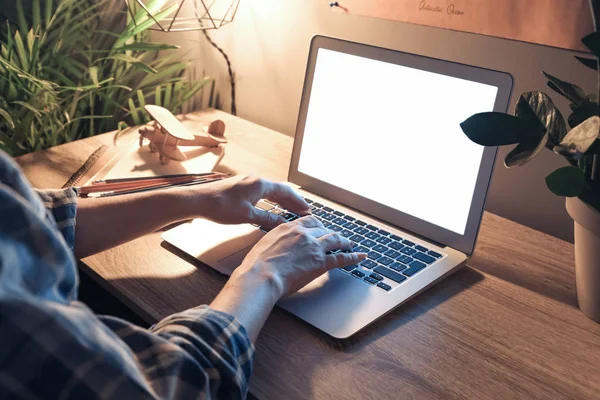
[232, 201]
[294, 254]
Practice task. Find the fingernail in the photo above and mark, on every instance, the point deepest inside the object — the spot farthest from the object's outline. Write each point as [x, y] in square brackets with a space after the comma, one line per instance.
[362, 256]
[353, 243]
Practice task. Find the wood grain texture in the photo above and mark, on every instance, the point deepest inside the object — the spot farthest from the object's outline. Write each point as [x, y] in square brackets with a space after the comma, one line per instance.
[506, 326]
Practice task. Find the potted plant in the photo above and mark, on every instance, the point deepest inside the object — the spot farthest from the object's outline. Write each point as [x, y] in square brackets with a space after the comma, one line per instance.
[538, 124]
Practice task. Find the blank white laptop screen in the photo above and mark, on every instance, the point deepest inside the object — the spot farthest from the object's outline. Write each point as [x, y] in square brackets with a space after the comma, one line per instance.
[391, 134]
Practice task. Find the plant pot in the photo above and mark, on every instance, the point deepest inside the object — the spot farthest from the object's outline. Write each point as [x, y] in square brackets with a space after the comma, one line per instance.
[587, 256]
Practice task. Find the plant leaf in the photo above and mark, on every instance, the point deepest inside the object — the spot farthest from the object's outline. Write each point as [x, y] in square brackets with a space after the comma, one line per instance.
[499, 129]
[567, 181]
[539, 106]
[582, 113]
[580, 138]
[588, 62]
[4, 114]
[572, 92]
[146, 46]
[592, 42]
[525, 152]
[144, 67]
[94, 75]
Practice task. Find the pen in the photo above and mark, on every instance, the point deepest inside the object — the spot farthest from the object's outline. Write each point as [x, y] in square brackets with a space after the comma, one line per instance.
[142, 178]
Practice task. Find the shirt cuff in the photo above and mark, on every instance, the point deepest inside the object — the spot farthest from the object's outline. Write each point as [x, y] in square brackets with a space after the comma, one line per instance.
[61, 208]
[227, 336]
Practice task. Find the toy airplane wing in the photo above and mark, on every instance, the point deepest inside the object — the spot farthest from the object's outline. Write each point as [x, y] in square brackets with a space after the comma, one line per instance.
[169, 122]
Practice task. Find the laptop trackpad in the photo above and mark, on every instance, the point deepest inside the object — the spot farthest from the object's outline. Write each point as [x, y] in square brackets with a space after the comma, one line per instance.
[222, 247]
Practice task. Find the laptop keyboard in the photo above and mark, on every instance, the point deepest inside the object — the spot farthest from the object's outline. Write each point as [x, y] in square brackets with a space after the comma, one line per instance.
[391, 259]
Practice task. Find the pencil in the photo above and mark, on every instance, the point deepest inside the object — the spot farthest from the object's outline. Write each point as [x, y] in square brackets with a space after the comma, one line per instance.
[142, 178]
[146, 189]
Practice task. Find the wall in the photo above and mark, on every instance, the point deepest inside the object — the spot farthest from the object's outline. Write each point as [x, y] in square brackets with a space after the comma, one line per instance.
[268, 46]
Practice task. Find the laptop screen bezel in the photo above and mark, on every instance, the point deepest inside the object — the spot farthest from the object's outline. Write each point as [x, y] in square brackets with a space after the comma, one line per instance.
[503, 81]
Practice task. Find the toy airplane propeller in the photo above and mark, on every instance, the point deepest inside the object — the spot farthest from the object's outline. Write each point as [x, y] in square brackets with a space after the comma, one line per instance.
[167, 132]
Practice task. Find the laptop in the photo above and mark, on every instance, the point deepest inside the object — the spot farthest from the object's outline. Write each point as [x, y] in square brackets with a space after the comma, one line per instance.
[380, 156]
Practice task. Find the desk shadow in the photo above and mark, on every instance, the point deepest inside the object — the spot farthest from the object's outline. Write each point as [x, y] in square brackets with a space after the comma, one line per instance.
[544, 283]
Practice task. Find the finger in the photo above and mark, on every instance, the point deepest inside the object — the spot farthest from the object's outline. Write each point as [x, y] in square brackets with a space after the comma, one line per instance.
[334, 241]
[286, 197]
[309, 221]
[340, 260]
[265, 219]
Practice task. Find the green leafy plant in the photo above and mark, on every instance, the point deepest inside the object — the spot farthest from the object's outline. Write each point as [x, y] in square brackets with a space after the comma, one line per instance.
[75, 68]
[538, 124]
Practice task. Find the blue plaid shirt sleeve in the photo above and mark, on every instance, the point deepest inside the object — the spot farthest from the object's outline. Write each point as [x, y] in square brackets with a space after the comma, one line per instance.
[54, 347]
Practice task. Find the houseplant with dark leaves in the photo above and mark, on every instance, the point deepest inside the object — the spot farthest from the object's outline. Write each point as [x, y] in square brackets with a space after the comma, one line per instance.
[537, 125]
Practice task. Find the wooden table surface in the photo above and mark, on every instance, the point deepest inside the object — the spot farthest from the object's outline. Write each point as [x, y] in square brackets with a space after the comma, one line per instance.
[505, 326]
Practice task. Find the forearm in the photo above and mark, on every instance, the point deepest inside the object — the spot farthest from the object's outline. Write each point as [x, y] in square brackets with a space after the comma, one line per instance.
[103, 223]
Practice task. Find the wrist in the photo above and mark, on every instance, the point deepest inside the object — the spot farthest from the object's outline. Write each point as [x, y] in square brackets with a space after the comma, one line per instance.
[258, 279]
[193, 201]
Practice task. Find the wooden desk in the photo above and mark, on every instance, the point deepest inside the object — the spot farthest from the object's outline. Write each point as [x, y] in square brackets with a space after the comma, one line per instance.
[506, 326]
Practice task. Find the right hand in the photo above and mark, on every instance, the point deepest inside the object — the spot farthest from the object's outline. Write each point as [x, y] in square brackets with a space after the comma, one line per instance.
[294, 254]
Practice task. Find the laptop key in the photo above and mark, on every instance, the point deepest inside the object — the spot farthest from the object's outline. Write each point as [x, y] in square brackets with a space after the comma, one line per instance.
[288, 216]
[317, 205]
[388, 273]
[413, 268]
[396, 246]
[360, 223]
[336, 228]
[361, 249]
[361, 231]
[392, 253]
[384, 286]
[408, 242]
[396, 238]
[380, 248]
[383, 232]
[435, 254]
[349, 267]
[385, 260]
[371, 280]
[349, 225]
[309, 201]
[408, 251]
[375, 276]
[397, 266]
[328, 217]
[373, 228]
[373, 235]
[368, 264]
[318, 212]
[384, 240]
[356, 238]
[373, 255]
[424, 257]
[346, 233]
[404, 259]
[349, 218]
[358, 273]
[338, 213]
[368, 243]
[328, 209]
[421, 248]
[339, 221]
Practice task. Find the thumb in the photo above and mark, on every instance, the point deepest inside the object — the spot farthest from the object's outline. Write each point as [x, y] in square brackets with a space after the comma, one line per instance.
[265, 219]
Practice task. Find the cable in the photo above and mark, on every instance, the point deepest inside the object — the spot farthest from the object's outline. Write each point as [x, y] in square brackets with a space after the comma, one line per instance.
[229, 69]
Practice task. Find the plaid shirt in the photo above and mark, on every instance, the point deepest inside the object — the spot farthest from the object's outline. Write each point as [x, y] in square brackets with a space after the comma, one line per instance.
[52, 346]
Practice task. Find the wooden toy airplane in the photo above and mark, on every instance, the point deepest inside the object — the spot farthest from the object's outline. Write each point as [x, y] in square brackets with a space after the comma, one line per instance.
[167, 132]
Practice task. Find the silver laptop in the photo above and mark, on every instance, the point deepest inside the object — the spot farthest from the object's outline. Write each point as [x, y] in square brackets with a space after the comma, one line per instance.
[380, 155]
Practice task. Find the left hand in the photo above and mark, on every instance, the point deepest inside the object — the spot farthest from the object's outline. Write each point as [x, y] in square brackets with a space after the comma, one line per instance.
[233, 200]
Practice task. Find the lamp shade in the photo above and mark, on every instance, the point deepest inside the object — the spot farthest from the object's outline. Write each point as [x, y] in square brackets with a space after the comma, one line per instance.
[182, 15]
